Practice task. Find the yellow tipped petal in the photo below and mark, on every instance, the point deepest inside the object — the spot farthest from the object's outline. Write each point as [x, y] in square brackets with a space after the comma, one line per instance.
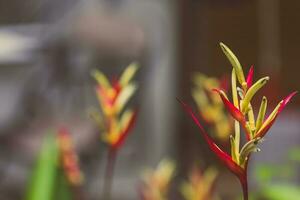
[261, 113]
[235, 63]
[124, 96]
[101, 79]
[271, 116]
[251, 92]
[125, 119]
[128, 74]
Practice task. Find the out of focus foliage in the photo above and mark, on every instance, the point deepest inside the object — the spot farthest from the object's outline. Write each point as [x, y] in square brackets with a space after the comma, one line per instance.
[277, 182]
[53, 176]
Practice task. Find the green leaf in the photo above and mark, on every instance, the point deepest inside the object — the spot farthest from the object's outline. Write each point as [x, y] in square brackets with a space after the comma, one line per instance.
[42, 182]
[63, 190]
[282, 191]
[265, 173]
[294, 154]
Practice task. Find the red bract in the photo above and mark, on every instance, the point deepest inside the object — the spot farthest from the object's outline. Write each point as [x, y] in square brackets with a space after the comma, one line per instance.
[234, 111]
[262, 132]
[125, 132]
[223, 156]
[250, 77]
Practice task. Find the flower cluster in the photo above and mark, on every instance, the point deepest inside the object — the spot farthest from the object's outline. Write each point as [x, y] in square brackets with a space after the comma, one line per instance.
[210, 106]
[69, 158]
[199, 185]
[155, 185]
[113, 97]
[255, 128]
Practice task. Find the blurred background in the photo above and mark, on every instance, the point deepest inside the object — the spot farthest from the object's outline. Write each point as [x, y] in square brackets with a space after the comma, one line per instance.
[48, 49]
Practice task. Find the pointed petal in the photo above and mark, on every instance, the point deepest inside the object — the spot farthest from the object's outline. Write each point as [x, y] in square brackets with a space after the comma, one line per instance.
[101, 79]
[261, 113]
[234, 62]
[234, 111]
[224, 157]
[250, 77]
[126, 129]
[124, 96]
[128, 74]
[251, 92]
[287, 100]
[267, 124]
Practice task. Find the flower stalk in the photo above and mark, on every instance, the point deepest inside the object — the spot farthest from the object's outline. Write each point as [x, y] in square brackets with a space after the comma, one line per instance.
[116, 121]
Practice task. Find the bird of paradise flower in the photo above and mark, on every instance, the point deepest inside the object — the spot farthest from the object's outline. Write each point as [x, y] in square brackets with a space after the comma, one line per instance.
[243, 114]
[115, 122]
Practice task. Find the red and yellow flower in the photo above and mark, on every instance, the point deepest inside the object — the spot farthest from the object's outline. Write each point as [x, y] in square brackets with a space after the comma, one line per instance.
[243, 114]
[113, 97]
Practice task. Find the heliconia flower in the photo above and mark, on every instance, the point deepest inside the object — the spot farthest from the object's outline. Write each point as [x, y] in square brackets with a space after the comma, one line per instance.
[199, 185]
[242, 112]
[155, 183]
[113, 97]
[210, 106]
[69, 158]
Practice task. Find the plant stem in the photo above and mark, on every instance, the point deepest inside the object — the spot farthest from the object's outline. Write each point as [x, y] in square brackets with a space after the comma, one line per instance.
[109, 173]
[244, 181]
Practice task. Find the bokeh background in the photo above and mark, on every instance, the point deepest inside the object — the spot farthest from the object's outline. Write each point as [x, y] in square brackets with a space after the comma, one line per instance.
[48, 48]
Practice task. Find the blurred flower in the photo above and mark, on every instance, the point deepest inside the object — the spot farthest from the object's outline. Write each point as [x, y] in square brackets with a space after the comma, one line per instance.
[241, 110]
[210, 105]
[199, 185]
[155, 183]
[113, 97]
[69, 158]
